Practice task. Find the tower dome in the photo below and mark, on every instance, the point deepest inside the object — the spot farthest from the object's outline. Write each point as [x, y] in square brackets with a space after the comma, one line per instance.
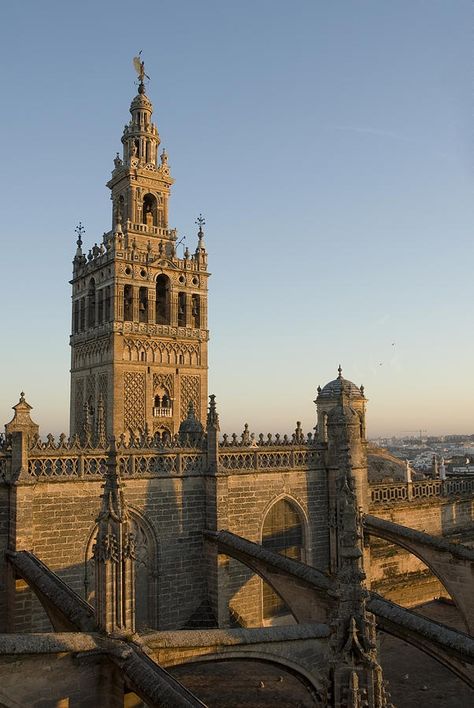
[333, 389]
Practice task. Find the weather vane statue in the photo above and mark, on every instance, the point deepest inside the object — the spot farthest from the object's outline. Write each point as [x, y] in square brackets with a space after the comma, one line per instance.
[140, 67]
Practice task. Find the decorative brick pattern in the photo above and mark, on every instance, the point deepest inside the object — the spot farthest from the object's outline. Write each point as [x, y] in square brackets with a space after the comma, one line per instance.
[90, 389]
[165, 381]
[134, 400]
[190, 386]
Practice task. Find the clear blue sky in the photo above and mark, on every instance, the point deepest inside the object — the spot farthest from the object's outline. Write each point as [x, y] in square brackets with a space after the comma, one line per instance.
[329, 145]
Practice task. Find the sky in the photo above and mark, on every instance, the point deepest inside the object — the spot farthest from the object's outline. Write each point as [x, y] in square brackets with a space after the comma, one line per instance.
[328, 145]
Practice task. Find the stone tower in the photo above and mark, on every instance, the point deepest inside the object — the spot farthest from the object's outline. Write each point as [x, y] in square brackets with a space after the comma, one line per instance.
[139, 312]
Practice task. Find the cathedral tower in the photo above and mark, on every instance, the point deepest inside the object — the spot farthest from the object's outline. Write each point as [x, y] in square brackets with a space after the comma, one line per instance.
[139, 312]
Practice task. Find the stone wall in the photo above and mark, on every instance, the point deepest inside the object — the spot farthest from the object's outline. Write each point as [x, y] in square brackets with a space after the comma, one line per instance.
[56, 521]
[243, 501]
[397, 574]
[59, 681]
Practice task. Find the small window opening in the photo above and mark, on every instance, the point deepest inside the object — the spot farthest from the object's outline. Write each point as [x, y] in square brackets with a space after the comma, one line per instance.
[149, 210]
[91, 304]
[196, 311]
[128, 303]
[162, 404]
[181, 309]
[162, 311]
[143, 305]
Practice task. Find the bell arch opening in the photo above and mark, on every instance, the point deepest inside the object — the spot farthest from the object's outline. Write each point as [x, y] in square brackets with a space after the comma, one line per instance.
[149, 211]
[162, 308]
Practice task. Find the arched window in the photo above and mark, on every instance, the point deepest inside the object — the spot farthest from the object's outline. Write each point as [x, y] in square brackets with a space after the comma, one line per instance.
[149, 210]
[162, 403]
[282, 533]
[143, 305]
[91, 295]
[196, 311]
[181, 309]
[162, 313]
[128, 303]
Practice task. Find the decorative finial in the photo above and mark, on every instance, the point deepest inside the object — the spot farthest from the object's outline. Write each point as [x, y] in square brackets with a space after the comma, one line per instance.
[339, 368]
[200, 221]
[140, 69]
[362, 389]
[22, 397]
[80, 231]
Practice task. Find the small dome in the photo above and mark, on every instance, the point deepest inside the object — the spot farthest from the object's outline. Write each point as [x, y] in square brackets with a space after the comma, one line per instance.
[191, 425]
[141, 101]
[333, 389]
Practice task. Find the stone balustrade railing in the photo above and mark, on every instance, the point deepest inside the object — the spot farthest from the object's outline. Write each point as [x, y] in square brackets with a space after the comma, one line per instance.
[147, 456]
[278, 458]
[427, 489]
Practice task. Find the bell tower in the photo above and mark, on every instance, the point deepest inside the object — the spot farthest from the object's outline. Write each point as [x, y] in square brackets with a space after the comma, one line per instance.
[139, 311]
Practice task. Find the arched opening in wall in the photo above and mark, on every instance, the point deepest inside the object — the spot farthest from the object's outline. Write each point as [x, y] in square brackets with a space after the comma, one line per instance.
[181, 309]
[162, 314]
[196, 311]
[162, 435]
[162, 406]
[143, 305]
[128, 303]
[146, 584]
[91, 300]
[149, 210]
[282, 533]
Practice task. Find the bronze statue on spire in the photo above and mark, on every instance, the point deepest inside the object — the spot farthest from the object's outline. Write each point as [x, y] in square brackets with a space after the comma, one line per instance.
[140, 67]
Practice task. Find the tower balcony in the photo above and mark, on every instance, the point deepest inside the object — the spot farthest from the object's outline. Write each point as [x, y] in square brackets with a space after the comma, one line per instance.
[151, 230]
[162, 412]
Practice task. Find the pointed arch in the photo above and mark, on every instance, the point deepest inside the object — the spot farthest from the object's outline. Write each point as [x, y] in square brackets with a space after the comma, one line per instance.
[284, 530]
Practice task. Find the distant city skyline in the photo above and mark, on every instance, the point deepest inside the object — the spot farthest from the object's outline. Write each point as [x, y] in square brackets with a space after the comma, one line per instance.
[330, 151]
